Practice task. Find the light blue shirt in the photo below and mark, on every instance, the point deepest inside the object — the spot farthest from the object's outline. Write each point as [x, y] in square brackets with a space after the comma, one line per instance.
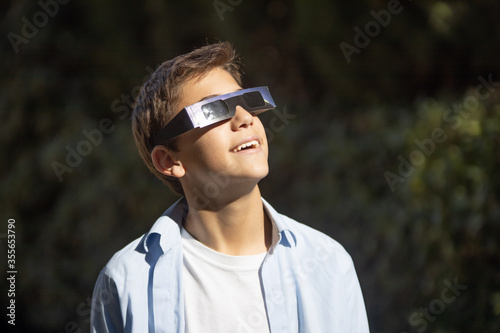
[308, 282]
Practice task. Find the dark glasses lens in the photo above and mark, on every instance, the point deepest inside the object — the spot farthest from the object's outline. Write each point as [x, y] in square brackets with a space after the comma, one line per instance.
[215, 109]
[254, 99]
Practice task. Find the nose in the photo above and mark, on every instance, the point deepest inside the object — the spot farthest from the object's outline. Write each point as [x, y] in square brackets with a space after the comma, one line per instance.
[241, 119]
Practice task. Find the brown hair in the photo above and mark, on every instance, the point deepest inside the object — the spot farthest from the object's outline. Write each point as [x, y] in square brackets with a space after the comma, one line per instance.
[157, 101]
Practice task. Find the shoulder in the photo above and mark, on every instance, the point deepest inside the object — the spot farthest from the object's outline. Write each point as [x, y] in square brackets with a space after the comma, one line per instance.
[135, 259]
[125, 262]
[315, 246]
[308, 236]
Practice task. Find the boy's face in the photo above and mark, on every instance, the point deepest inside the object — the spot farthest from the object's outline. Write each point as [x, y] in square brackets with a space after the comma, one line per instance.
[216, 149]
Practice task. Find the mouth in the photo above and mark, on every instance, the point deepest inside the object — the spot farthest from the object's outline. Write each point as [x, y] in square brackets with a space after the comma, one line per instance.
[252, 144]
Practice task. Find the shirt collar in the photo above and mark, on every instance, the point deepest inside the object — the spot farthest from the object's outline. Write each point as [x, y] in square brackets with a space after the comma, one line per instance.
[168, 227]
[286, 234]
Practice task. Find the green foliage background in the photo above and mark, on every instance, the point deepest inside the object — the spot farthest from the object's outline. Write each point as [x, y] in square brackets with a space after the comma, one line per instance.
[352, 123]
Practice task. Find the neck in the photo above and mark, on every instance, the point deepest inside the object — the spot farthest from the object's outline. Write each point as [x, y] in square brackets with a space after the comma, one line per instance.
[235, 227]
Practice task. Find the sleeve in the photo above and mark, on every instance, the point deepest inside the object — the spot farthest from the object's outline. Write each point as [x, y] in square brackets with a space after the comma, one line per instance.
[356, 305]
[105, 316]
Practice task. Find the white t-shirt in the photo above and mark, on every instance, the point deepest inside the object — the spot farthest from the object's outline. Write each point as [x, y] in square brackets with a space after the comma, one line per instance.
[222, 293]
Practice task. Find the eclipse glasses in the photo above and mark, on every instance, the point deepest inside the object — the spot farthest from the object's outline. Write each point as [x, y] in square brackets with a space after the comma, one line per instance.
[215, 109]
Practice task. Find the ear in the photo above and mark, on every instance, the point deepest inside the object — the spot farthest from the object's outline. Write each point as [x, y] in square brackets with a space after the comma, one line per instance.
[165, 162]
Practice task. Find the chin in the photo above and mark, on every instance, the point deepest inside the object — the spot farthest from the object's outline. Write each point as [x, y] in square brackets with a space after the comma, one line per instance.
[257, 174]
[263, 173]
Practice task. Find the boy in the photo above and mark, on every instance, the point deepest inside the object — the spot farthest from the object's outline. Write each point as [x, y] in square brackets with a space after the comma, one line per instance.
[220, 259]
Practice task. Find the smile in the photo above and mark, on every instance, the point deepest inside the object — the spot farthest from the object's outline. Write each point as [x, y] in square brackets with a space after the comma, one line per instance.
[247, 145]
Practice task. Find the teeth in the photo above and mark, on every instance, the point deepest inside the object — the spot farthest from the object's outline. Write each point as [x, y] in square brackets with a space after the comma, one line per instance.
[253, 144]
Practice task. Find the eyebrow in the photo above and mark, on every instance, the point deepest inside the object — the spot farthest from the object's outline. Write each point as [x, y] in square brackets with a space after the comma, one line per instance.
[207, 97]
[214, 95]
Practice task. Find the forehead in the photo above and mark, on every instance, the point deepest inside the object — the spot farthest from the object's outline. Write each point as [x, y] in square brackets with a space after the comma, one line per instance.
[216, 82]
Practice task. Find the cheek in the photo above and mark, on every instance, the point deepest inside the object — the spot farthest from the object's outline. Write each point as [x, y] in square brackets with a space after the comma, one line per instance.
[260, 128]
[211, 148]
